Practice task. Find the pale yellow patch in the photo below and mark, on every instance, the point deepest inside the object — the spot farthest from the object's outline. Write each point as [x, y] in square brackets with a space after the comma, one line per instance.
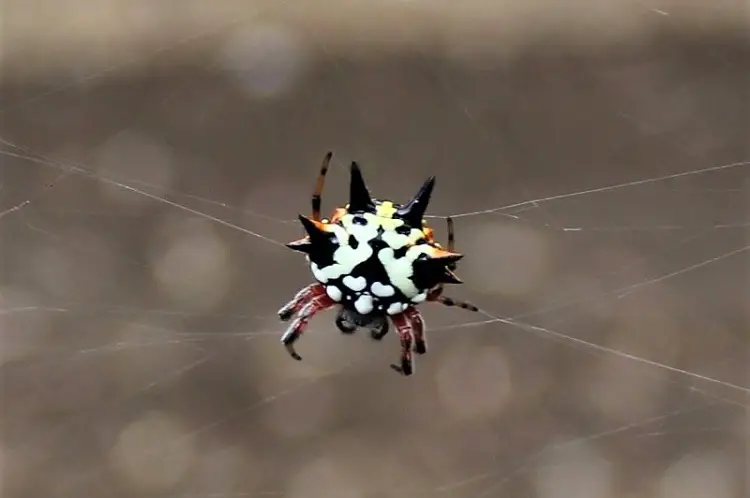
[386, 209]
[415, 236]
[376, 220]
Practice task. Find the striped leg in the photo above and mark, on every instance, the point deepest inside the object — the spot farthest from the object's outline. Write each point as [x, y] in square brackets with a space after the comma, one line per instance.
[410, 328]
[436, 295]
[319, 184]
[306, 304]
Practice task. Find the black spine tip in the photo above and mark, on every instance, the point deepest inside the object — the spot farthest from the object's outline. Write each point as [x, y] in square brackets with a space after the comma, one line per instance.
[359, 195]
[413, 213]
[314, 233]
[301, 246]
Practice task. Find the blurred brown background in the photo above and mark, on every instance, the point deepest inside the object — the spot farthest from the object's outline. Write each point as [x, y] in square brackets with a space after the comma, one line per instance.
[138, 341]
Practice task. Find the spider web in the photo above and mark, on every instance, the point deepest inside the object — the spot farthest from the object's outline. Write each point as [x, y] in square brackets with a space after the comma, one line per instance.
[140, 352]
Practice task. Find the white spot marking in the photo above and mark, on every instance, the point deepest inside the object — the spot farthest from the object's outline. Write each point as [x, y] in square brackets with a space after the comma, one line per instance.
[339, 233]
[364, 304]
[382, 290]
[404, 306]
[346, 259]
[419, 298]
[394, 309]
[363, 233]
[334, 293]
[320, 275]
[356, 284]
[395, 239]
[400, 270]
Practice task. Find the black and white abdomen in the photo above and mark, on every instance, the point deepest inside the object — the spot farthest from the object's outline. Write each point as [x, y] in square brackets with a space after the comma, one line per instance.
[372, 267]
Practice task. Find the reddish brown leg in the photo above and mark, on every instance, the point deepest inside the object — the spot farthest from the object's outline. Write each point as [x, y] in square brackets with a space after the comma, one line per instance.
[409, 326]
[299, 300]
[418, 330]
[311, 300]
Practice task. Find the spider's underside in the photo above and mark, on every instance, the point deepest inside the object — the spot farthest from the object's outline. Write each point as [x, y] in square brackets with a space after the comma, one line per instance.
[376, 260]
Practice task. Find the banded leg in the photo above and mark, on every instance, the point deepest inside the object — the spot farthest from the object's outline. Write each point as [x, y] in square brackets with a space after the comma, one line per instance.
[418, 330]
[436, 295]
[408, 329]
[451, 248]
[319, 184]
[299, 300]
[315, 301]
[451, 241]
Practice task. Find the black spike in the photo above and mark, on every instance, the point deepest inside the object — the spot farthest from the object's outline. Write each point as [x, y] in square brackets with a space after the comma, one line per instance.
[319, 244]
[429, 272]
[313, 232]
[302, 245]
[447, 259]
[413, 212]
[359, 196]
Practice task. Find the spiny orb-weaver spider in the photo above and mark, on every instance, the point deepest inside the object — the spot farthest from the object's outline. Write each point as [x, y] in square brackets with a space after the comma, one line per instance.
[375, 259]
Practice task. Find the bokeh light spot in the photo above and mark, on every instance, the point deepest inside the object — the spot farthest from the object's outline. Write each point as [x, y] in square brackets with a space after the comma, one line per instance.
[154, 452]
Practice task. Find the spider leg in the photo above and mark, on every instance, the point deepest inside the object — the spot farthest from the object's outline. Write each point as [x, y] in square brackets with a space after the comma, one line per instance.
[299, 300]
[316, 301]
[418, 330]
[410, 327]
[436, 296]
[450, 267]
[451, 242]
[319, 184]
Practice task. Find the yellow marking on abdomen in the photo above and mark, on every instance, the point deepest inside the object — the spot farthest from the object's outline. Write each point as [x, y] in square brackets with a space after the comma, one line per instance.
[386, 209]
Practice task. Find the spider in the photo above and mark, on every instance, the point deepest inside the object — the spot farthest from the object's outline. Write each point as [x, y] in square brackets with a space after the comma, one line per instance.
[376, 260]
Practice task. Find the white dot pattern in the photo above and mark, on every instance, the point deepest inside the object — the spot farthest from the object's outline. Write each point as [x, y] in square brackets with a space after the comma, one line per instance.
[372, 265]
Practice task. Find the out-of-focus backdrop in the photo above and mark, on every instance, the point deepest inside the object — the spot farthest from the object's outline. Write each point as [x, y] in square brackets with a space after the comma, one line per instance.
[154, 153]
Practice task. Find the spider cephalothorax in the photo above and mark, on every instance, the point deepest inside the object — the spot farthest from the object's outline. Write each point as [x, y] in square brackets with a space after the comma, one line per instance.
[376, 260]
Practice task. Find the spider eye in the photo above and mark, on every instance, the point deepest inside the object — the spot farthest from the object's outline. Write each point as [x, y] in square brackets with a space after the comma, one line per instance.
[359, 220]
[403, 230]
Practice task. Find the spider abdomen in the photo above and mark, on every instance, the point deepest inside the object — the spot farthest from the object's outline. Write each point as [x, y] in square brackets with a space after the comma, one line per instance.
[371, 266]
